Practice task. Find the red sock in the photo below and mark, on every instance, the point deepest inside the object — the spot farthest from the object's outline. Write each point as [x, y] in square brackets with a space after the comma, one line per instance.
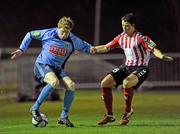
[128, 96]
[108, 99]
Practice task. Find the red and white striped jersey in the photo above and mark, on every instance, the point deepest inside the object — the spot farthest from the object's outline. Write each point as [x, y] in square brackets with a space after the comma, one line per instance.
[136, 48]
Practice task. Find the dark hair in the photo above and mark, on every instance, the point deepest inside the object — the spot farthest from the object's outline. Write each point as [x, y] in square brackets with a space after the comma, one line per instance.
[129, 17]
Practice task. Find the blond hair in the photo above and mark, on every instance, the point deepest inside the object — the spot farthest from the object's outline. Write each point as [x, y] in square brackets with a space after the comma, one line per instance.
[65, 22]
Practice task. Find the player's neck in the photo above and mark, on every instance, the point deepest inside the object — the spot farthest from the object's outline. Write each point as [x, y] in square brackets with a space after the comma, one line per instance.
[132, 32]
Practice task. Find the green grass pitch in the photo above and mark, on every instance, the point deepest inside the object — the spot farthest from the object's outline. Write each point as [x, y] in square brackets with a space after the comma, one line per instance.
[155, 112]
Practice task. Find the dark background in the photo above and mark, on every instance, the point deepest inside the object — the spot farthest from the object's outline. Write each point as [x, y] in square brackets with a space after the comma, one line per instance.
[158, 19]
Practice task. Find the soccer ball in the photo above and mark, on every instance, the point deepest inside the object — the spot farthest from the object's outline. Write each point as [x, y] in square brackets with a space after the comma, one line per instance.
[42, 123]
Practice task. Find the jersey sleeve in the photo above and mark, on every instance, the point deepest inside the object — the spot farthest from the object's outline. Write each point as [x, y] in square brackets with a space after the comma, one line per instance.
[80, 45]
[114, 43]
[37, 35]
[146, 42]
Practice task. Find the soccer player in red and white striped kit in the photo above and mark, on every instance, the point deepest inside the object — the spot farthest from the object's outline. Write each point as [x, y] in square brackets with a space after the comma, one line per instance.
[137, 49]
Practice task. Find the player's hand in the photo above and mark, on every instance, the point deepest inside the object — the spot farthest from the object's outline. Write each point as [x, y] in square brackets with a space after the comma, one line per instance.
[93, 50]
[167, 58]
[16, 53]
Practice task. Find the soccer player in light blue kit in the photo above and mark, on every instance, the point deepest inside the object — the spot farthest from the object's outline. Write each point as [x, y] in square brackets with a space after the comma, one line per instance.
[57, 46]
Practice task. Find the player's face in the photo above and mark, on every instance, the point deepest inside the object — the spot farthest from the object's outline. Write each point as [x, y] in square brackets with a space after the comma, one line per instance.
[127, 27]
[64, 33]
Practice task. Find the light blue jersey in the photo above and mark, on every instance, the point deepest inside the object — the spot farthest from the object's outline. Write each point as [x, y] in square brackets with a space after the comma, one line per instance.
[55, 51]
[52, 58]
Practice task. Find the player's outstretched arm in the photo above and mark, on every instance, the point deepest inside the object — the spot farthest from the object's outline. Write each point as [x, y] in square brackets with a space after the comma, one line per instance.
[16, 53]
[161, 56]
[100, 49]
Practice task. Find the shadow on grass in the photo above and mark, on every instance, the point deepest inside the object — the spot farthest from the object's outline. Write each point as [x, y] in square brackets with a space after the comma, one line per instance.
[130, 125]
[155, 125]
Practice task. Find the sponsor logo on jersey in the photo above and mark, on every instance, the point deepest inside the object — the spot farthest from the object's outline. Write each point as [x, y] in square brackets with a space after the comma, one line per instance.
[61, 52]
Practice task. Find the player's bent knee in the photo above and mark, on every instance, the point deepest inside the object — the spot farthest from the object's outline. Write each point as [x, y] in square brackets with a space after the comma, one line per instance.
[127, 83]
[108, 81]
[54, 83]
[72, 86]
[104, 83]
[51, 79]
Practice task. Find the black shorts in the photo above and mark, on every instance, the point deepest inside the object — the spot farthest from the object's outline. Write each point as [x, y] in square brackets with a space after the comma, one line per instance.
[120, 73]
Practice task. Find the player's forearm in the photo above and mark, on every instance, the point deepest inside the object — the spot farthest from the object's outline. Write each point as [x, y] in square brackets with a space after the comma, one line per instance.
[158, 53]
[101, 49]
